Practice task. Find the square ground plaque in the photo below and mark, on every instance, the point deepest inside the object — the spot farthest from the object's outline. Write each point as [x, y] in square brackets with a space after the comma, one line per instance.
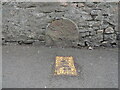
[65, 66]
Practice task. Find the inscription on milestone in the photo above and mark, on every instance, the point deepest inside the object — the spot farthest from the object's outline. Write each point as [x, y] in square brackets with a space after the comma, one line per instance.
[62, 32]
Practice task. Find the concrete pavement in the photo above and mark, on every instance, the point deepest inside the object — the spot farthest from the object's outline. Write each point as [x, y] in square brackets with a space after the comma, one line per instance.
[33, 67]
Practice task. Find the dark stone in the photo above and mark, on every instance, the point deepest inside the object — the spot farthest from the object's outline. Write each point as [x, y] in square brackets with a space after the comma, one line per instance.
[118, 37]
[26, 42]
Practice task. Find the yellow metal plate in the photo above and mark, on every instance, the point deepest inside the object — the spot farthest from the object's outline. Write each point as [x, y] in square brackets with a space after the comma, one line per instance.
[65, 66]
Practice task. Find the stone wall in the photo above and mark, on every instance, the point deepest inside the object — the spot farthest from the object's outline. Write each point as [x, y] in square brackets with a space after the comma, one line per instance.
[97, 21]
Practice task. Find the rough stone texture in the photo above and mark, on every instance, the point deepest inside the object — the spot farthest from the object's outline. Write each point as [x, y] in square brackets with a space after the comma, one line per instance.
[97, 22]
[109, 30]
[62, 32]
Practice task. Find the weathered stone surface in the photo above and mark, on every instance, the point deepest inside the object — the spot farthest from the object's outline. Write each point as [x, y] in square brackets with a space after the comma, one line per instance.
[109, 30]
[61, 33]
[100, 31]
[26, 20]
[87, 9]
[89, 4]
[91, 31]
[81, 43]
[94, 23]
[110, 37]
[80, 5]
[82, 24]
[105, 44]
[64, 4]
[96, 28]
[95, 12]
[87, 17]
[83, 34]
[99, 17]
[48, 9]
[104, 25]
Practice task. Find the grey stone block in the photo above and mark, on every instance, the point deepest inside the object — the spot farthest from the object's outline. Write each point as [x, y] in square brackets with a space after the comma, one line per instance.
[109, 30]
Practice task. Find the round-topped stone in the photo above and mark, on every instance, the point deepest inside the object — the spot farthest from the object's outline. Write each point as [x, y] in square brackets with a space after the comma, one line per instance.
[62, 32]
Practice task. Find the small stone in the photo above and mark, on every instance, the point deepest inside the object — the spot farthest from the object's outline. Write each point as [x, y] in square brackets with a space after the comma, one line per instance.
[81, 5]
[28, 42]
[104, 25]
[92, 33]
[90, 4]
[99, 31]
[113, 43]
[104, 42]
[95, 12]
[39, 43]
[84, 12]
[109, 30]
[95, 28]
[90, 48]
[82, 24]
[87, 17]
[41, 38]
[87, 9]
[96, 44]
[82, 44]
[87, 33]
[118, 37]
[87, 42]
[74, 5]
[39, 14]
